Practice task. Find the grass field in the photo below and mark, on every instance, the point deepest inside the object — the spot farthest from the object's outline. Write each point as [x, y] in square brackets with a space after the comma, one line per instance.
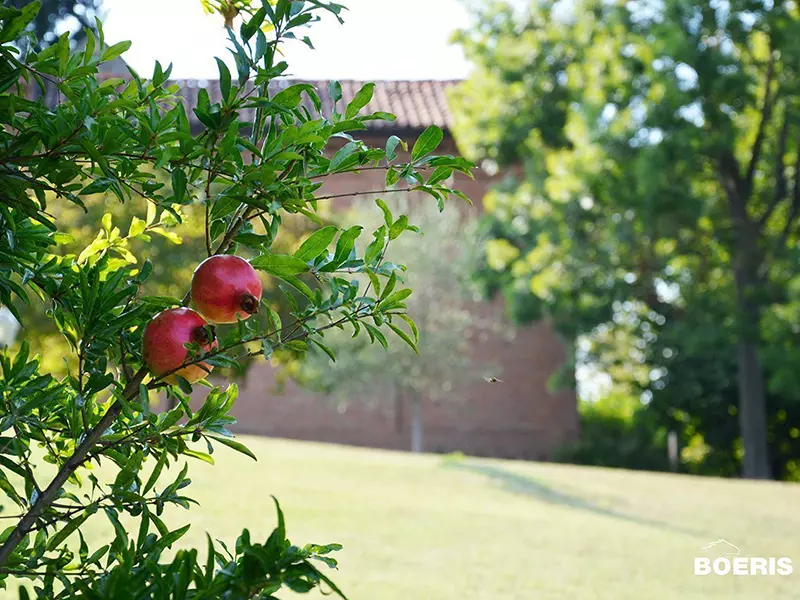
[444, 528]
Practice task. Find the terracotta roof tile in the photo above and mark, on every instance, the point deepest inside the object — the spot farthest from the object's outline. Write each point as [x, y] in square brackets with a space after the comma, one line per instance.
[416, 104]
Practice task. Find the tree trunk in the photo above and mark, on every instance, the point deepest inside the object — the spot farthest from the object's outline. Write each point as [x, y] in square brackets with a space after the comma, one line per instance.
[417, 443]
[747, 260]
[399, 413]
[752, 398]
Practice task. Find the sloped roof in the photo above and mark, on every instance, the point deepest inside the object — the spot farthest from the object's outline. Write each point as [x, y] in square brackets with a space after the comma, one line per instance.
[416, 104]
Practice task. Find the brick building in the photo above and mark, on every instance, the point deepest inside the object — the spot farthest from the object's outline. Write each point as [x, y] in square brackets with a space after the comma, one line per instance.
[518, 418]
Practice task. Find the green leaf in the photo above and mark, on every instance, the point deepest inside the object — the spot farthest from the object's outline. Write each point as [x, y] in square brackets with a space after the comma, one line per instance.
[360, 100]
[412, 325]
[316, 244]
[324, 348]
[335, 90]
[292, 96]
[249, 28]
[299, 286]
[98, 186]
[185, 386]
[178, 185]
[152, 213]
[151, 481]
[137, 227]
[172, 537]
[347, 241]
[387, 214]
[427, 142]
[404, 336]
[376, 333]
[115, 51]
[398, 227]
[280, 265]
[389, 286]
[98, 245]
[224, 79]
[68, 530]
[398, 296]
[199, 455]
[345, 157]
[391, 147]
[239, 447]
[17, 25]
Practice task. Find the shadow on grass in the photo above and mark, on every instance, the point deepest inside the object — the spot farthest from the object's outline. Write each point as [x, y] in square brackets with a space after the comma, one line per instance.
[528, 486]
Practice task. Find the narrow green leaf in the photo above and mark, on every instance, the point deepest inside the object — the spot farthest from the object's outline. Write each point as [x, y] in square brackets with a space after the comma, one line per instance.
[115, 51]
[178, 185]
[239, 447]
[324, 348]
[404, 336]
[316, 244]
[387, 214]
[280, 264]
[68, 530]
[224, 79]
[391, 147]
[360, 100]
[398, 227]
[427, 142]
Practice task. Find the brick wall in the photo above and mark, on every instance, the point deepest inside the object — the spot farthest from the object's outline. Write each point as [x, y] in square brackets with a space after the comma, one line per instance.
[518, 418]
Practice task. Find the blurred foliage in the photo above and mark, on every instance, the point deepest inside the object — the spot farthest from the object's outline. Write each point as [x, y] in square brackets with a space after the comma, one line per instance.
[652, 206]
[617, 431]
[59, 16]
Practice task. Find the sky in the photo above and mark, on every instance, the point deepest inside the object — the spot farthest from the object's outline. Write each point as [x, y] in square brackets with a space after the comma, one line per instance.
[381, 39]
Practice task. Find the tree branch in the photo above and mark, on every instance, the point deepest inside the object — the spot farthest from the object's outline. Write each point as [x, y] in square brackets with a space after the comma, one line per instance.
[781, 186]
[348, 194]
[730, 176]
[49, 495]
[766, 115]
[795, 207]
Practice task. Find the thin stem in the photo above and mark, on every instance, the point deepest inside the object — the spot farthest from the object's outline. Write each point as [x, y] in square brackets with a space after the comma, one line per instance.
[346, 195]
[359, 169]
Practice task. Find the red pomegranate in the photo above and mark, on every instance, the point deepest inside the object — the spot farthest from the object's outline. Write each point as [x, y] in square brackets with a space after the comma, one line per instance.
[163, 344]
[225, 288]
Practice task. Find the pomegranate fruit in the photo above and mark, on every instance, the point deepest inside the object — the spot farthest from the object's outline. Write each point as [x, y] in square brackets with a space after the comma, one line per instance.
[163, 344]
[226, 288]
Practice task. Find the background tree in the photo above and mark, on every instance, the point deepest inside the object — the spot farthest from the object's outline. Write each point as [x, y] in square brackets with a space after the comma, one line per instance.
[73, 16]
[127, 139]
[440, 261]
[659, 147]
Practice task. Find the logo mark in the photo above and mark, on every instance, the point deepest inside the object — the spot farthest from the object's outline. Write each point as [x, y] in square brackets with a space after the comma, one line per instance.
[729, 561]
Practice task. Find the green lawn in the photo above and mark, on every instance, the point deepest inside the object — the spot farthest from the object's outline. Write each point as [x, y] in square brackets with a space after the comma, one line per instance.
[440, 528]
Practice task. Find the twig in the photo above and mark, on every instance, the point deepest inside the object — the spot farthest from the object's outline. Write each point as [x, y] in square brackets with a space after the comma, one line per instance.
[348, 194]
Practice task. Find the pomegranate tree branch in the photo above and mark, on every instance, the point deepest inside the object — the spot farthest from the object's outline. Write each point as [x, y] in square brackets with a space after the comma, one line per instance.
[50, 493]
[346, 195]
